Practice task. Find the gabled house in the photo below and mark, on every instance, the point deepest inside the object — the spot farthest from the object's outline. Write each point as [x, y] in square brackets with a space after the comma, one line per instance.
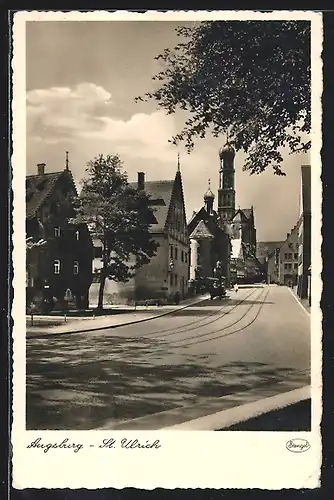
[243, 229]
[166, 275]
[62, 267]
[267, 253]
[288, 259]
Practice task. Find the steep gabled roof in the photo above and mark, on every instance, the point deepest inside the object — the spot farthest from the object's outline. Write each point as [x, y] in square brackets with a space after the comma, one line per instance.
[201, 231]
[160, 193]
[38, 188]
[248, 212]
[211, 221]
[239, 217]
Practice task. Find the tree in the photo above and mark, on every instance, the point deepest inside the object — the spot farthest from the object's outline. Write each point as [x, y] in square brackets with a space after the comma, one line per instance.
[249, 80]
[119, 216]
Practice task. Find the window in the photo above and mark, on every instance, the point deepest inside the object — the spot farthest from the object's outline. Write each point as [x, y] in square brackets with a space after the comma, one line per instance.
[171, 280]
[296, 265]
[175, 253]
[77, 235]
[185, 257]
[56, 266]
[76, 267]
[288, 256]
[171, 252]
[57, 231]
[182, 256]
[97, 252]
[295, 256]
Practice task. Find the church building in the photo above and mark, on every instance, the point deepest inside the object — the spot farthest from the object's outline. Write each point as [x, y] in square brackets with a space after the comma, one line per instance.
[226, 235]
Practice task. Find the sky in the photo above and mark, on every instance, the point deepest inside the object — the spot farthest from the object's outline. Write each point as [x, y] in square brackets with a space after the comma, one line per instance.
[81, 81]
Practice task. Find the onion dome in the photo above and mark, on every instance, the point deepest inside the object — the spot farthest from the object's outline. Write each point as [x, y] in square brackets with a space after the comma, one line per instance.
[209, 194]
[226, 151]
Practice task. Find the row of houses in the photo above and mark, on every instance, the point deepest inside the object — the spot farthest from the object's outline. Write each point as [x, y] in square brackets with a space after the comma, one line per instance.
[66, 269]
[288, 262]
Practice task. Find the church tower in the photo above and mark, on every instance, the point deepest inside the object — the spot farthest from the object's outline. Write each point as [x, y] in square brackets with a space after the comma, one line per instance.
[226, 191]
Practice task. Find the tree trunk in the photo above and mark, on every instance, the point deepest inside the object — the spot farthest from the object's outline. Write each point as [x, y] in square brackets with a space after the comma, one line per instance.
[103, 273]
[101, 290]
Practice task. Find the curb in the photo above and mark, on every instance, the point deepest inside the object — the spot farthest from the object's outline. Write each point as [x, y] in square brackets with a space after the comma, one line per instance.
[232, 416]
[214, 420]
[300, 302]
[109, 327]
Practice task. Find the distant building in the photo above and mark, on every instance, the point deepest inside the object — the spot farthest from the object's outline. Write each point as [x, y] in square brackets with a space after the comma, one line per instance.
[304, 235]
[243, 230]
[209, 241]
[288, 259]
[166, 275]
[62, 267]
[238, 261]
[267, 254]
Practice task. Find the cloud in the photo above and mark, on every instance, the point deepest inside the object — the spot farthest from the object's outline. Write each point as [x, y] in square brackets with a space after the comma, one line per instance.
[83, 120]
[85, 113]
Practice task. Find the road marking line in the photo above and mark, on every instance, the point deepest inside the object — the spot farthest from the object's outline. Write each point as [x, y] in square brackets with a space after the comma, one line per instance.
[301, 305]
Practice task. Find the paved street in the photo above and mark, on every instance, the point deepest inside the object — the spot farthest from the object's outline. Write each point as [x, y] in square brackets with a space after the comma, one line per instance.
[255, 342]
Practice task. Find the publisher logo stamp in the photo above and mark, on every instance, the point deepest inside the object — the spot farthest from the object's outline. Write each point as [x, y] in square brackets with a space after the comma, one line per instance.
[298, 445]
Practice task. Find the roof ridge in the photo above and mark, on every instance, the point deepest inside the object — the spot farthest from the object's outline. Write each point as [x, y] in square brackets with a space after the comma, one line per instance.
[46, 173]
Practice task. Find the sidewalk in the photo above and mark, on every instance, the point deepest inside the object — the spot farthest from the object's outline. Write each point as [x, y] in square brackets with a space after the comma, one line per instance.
[56, 325]
[303, 302]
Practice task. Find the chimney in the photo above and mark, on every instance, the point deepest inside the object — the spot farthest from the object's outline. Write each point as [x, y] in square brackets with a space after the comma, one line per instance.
[41, 168]
[141, 181]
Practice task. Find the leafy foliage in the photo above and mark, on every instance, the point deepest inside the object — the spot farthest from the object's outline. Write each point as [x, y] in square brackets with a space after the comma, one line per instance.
[247, 79]
[118, 215]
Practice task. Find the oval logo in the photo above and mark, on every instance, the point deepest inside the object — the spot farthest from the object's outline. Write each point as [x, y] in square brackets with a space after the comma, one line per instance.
[298, 445]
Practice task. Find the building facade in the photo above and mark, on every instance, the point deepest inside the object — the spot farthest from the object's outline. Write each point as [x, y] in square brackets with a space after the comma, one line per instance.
[267, 254]
[165, 277]
[304, 235]
[59, 273]
[288, 259]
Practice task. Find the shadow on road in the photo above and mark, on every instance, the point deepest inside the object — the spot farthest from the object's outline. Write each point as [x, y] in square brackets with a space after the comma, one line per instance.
[81, 385]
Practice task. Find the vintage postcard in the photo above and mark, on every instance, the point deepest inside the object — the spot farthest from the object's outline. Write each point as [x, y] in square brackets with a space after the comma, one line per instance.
[167, 249]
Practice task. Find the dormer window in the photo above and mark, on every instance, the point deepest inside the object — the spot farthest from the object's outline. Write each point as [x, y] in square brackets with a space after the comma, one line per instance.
[57, 231]
[77, 235]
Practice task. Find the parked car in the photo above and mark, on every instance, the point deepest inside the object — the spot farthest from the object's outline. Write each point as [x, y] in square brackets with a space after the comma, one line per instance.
[217, 289]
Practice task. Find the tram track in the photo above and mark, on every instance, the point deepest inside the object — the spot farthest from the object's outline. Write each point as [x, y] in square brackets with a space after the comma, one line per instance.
[178, 343]
[188, 326]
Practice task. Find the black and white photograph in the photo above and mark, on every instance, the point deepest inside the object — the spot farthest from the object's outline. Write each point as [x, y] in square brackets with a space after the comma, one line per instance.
[172, 232]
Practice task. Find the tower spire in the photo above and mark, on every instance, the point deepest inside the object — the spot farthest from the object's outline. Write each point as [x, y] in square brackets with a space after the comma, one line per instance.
[178, 162]
[67, 161]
